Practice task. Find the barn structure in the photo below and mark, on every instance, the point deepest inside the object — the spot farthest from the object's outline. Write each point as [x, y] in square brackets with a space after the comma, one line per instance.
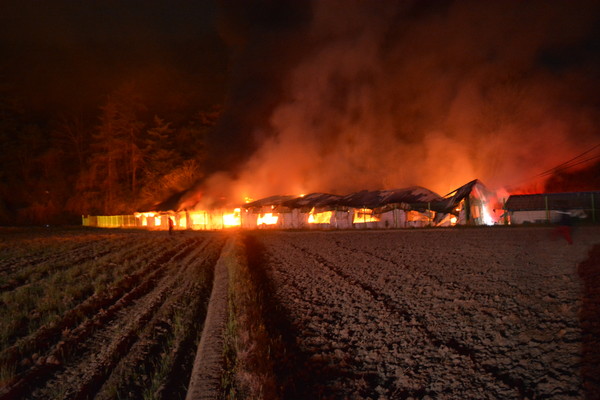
[380, 209]
[410, 207]
[547, 207]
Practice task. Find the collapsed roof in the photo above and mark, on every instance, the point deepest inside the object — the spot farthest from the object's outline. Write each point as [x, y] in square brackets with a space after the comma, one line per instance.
[414, 198]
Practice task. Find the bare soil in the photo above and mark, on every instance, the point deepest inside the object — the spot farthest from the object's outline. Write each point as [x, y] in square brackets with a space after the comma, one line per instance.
[460, 313]
[510, 313]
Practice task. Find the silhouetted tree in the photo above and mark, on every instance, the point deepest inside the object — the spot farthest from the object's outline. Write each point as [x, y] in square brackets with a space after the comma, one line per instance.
[160, 156]
[73, 135]
[116, 156]
[191, 139]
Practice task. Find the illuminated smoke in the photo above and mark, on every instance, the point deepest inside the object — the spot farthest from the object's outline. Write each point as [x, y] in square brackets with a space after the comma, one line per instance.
[392, 94]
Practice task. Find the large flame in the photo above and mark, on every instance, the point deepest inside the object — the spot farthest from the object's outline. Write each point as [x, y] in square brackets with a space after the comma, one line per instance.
[232, 219]
[144, 217]
[364, 215]
[267, 219]
[199, 219]
[485, 200]
[319, 217]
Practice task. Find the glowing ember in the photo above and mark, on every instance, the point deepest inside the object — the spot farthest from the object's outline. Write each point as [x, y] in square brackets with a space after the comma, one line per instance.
[267, 219]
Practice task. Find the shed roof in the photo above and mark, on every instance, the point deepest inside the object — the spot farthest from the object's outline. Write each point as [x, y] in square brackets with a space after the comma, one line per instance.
[268, 201]
[313, 200]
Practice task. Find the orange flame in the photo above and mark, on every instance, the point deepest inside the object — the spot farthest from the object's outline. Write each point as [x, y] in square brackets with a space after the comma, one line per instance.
[364, 215]
[232, 219]
[267, 219]
[319, 218]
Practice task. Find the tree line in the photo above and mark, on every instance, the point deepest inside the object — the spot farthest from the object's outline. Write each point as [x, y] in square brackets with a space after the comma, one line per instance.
[121, 158]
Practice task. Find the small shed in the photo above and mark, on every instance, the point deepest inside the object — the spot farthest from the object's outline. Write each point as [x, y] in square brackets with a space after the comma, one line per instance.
[546, 207]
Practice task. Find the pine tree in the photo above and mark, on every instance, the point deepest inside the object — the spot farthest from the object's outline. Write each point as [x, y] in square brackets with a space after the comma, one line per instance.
[116, 154]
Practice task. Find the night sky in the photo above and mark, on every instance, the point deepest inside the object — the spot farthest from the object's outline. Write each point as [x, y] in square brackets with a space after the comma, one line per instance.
[331, 96]
[63, 56]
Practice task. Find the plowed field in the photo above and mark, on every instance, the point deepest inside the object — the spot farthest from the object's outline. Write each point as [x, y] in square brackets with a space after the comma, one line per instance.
[99, 314]
[469, 314]
[499, 313]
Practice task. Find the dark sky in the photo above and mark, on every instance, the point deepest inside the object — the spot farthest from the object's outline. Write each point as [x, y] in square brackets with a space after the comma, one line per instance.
[332, 95]
[63, 55]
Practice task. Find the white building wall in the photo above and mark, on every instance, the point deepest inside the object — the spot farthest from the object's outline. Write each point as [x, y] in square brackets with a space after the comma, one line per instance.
[342, 220]
[392, 219]
[292, 220]
[248, 219]
[533, 217]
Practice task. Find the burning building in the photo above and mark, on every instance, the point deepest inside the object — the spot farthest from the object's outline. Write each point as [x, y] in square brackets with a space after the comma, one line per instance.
[379, 209]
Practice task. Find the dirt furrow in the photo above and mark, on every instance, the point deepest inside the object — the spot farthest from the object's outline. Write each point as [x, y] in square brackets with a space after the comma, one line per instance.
[171, 328]
[498, 328]
[100, 308]
[125, 290]
[77, 253]
[471, 314]
[106, 254]
[341, 326]
[420, 323]
[104, 347]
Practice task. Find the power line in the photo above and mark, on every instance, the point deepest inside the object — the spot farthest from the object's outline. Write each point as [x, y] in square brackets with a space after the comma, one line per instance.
[572, 165]
[563, 166]
[558, 167]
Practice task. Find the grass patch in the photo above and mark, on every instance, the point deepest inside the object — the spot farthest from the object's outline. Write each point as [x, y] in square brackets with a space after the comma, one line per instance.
[249, 370]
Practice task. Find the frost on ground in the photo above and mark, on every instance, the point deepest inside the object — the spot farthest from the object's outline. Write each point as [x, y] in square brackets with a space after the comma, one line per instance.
[460, 313]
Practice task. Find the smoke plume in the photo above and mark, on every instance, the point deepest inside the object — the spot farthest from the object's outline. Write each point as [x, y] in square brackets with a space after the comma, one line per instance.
[377, 95]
